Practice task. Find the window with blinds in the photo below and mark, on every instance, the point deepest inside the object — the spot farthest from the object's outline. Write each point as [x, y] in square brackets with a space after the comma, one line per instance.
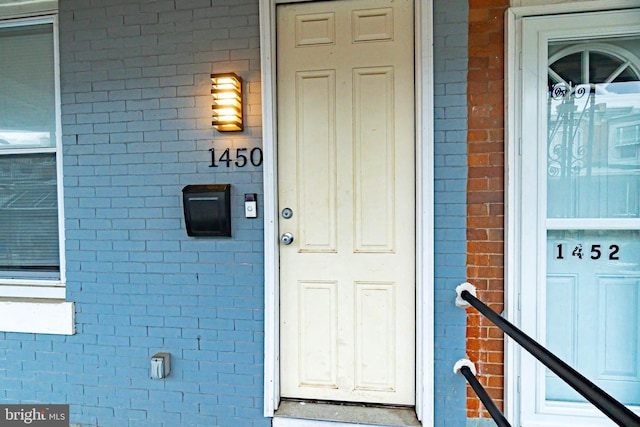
[29, 152]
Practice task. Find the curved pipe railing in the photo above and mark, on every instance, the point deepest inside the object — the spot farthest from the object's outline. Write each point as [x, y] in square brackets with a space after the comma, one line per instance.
[467, 369]
[609, 406]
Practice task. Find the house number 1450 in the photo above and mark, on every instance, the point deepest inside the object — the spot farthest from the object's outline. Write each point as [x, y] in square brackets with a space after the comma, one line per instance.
[595, 253]
[240, 158]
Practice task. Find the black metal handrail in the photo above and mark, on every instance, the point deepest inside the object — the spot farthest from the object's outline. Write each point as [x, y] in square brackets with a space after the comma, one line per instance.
[609, 406]
[463, 368]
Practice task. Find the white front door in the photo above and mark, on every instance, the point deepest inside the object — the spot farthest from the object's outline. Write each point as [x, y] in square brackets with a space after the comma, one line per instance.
[347, 199]
[578, 215]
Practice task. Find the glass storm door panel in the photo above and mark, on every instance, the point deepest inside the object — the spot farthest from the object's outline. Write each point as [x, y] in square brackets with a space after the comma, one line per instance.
[579, 210]
[593, 172]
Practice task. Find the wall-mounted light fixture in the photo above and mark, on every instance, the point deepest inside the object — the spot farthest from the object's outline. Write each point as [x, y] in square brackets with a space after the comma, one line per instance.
[226, 90]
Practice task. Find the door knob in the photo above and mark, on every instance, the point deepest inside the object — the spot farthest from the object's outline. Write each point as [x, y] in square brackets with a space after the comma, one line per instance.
[286, 238]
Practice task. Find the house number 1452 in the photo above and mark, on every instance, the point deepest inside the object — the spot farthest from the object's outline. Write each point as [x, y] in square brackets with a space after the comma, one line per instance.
[597, 251]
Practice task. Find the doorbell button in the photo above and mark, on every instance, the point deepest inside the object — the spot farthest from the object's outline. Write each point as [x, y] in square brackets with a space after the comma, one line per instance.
[250, 205]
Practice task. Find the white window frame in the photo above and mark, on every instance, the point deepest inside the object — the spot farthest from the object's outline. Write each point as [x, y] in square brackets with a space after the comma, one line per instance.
[423, 10]
[33, 305]
[524, 407]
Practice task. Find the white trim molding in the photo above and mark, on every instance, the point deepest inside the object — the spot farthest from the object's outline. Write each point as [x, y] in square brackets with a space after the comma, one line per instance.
[424, 86]
[37, 317]
[270, 179]
[424, 210]
[21, 8]
[522, 8]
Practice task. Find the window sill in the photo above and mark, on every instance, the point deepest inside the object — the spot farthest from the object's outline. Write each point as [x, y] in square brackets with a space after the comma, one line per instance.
[318, 414]
[31, 290]
[37, 316]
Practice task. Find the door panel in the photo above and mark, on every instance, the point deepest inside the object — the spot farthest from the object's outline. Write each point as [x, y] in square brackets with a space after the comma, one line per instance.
[374, 165]
[317, 307]
[315, 145]
[375, 336]
[592, 310]
[346, 171]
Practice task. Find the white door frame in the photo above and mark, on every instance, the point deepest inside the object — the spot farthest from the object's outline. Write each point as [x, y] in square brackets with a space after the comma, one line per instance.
[514, 99]
[424, 208]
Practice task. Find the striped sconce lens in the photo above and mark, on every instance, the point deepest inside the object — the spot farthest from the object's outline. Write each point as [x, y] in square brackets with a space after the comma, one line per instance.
[226, 90]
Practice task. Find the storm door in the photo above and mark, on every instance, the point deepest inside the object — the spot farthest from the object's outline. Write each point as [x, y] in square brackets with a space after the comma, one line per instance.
[580, 210]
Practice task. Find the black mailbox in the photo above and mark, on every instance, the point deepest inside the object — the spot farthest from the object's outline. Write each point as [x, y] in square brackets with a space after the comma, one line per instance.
[207, 209]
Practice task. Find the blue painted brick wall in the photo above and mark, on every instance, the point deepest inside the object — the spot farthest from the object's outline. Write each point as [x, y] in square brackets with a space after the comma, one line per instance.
[137, 129]
[136, 113]
[450, 110]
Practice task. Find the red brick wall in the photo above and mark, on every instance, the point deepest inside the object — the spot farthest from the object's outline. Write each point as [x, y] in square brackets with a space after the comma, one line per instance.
[485, 193]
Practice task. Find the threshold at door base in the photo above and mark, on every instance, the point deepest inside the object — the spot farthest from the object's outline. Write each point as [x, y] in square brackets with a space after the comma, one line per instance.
[301, 413]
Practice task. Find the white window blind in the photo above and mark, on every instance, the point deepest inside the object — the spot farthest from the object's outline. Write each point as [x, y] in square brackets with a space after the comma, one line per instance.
[28, 216]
